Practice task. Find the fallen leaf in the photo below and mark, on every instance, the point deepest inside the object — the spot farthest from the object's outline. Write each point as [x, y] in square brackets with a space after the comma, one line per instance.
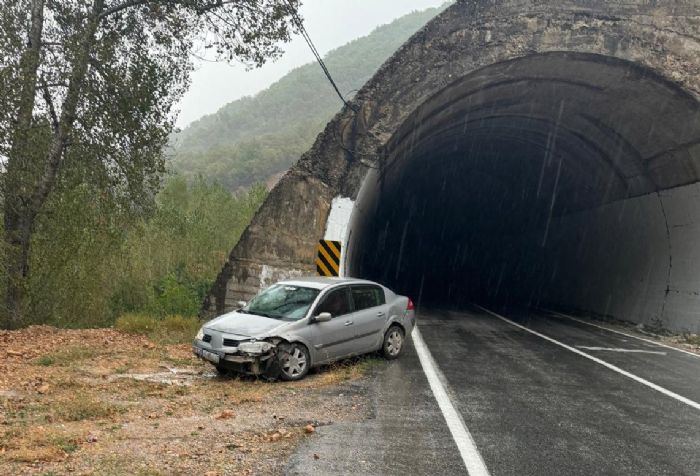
[43, 389]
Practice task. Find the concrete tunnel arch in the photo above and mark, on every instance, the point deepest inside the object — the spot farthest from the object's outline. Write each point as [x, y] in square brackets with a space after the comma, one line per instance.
[535, 153]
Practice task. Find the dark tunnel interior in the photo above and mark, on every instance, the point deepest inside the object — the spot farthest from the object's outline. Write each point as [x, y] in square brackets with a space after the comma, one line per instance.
[543, 179]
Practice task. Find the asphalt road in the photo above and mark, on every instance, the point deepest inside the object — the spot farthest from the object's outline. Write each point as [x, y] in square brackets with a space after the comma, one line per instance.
[530, 405]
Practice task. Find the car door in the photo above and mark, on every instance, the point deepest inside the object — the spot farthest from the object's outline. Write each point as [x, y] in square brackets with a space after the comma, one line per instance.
[370, 315]
[334, 339]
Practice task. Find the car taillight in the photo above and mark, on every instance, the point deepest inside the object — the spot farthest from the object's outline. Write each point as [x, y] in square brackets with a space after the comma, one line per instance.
[410, 306]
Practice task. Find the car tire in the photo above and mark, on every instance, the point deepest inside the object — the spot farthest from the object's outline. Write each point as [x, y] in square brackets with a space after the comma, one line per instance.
[221, 370]
[294, 362]
[393, 342]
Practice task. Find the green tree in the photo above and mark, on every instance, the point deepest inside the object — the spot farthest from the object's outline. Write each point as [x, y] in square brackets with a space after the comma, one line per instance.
[92, 84]
[169, 262]
[92, 261]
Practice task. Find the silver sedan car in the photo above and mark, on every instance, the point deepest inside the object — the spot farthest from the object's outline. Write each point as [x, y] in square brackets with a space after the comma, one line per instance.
[298, 324]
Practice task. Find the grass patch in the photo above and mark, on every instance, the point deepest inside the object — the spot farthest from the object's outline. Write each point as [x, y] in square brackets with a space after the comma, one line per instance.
[65, 443]
[168, 330]
[78, 409]
[45, 360]
[34, 454]
[66, 357]
[349, 369]
[149, 472]
[38, 444]
[136, 324]
[693, 339]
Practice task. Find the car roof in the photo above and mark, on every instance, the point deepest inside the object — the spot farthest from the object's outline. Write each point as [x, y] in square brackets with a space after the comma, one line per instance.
[322, 282]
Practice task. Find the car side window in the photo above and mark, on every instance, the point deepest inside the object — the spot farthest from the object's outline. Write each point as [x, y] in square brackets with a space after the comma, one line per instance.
[365, 297]
[336, 302]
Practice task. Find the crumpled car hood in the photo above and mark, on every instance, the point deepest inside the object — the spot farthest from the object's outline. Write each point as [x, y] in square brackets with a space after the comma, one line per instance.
[243, 324]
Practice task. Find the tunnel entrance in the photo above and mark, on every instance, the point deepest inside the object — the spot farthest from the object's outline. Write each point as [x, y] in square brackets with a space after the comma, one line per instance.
[548, 179]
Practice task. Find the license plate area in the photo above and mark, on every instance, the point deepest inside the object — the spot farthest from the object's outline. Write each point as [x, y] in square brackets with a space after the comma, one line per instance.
[210, 356]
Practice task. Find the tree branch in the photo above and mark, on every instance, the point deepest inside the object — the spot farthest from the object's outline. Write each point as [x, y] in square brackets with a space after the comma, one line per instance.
[122, 6]
[55, 85]
[68, 112]
[29, 67]
[133, 3]
[49, 104]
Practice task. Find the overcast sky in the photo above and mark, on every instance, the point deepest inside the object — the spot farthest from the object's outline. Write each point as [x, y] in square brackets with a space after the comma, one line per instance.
[330, 23]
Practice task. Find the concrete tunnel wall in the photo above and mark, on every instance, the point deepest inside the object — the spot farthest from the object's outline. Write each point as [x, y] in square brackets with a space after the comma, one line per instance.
[638, 260]
[648, 268]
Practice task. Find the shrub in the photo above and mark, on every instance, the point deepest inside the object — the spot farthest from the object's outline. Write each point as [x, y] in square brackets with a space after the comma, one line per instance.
[168, 330]
[178, 329]
[136, 324]
[177, 296]
[130, 295]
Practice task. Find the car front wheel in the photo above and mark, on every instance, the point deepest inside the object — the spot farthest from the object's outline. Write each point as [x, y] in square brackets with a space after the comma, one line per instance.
[393, 342]
[293, 362]
[221, 370]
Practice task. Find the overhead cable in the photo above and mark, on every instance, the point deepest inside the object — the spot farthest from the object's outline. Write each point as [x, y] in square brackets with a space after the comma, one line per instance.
[300, 24]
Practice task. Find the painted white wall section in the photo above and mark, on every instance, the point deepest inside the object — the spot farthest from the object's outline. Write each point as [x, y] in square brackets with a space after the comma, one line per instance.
[638, 259]
[365, 207]
[338, 223]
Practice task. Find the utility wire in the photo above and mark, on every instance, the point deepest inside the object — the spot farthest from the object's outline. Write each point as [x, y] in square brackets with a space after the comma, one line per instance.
[300, 24]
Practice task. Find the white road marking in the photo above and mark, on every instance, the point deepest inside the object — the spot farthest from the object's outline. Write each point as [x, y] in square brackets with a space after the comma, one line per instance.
[465, 443]
[612, 367]
[566, 316]
[615, 349]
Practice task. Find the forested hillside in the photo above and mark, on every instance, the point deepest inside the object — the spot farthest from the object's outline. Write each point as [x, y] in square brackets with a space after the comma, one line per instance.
[253, 138]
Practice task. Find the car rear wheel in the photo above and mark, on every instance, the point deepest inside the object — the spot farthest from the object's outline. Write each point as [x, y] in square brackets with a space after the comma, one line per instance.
[393, 342]
[293, 362]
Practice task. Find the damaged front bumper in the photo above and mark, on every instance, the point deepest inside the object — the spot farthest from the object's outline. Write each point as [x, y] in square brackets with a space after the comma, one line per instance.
[252, 358]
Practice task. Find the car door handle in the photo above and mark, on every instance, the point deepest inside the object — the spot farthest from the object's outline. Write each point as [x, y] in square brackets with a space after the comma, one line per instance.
[380, 313]
[348, 323]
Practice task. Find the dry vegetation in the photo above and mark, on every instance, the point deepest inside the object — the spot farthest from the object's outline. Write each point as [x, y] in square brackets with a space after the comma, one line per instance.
[101, 401]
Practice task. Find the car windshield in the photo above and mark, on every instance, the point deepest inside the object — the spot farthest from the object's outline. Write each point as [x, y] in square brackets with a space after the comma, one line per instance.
[282, 301]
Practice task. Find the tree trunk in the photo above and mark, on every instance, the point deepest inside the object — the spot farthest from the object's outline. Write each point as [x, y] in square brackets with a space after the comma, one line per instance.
[26, 194]
[17, 229]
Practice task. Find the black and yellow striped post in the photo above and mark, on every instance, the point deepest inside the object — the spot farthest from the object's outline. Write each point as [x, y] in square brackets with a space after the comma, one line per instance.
[328, 259]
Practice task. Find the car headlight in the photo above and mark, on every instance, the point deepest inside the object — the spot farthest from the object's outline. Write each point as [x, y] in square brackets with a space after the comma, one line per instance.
[200, 334]
[254, 347]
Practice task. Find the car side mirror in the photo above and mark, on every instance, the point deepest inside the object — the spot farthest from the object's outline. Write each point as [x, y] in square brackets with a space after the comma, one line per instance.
[323, 317]
[241, 304]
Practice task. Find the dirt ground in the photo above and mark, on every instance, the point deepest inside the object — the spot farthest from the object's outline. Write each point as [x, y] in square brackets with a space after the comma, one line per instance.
[103, 402]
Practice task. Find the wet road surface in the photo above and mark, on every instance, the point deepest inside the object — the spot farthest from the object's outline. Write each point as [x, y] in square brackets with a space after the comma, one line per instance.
[530, 405]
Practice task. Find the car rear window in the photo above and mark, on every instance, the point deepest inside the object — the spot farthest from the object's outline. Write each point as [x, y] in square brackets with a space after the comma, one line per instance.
[367, 296]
